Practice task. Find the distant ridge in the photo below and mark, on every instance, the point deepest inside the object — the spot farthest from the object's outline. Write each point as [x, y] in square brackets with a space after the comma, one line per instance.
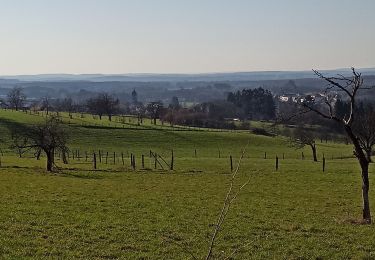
[154, 77]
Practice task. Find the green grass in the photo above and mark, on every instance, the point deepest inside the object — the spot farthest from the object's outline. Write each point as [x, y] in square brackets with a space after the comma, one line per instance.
[298, 212]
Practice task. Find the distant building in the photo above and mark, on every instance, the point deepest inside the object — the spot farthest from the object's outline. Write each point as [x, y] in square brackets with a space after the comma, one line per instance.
[232, 119]
[283, 98]
[134, 97]
[287, 97]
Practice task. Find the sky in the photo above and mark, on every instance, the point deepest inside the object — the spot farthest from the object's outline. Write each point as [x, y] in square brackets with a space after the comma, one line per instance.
[184, 36]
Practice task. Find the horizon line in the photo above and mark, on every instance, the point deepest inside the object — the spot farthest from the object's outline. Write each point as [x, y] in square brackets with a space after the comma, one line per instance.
[177, 73]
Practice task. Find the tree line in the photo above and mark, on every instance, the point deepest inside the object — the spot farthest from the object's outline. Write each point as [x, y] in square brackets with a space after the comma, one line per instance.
[248, 104]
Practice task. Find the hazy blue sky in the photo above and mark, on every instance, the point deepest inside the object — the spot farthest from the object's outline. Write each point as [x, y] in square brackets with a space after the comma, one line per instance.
[129, 36]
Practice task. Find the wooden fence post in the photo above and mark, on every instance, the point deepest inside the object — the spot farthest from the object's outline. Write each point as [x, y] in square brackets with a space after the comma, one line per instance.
[122, 158]
[231, 163]
[94, 161]
[106, 158]
[133, 162]
[277, 163]
[114, 157]
[156, 160]
[143, 161]
[172, 161]
[265, 155]
[100, 156]
[324, 163]
[195, 153]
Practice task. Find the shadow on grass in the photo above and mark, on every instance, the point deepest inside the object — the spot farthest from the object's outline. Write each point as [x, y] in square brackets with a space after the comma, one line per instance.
[85, 173]
[19, 167]
[350, 220]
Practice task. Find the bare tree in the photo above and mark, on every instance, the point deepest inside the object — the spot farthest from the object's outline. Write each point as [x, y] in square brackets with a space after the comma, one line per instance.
[364, 128]
[104, 104]
[232, 194]
[301, 137]
[46, 104]
[48, 137]
[349, 87]
[67, 105]
[230, 197]
[16, 98]
[93, 106]
[140, 110]
[154, 109]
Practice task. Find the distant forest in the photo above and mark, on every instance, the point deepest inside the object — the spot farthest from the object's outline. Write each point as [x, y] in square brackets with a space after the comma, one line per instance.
[188, 92]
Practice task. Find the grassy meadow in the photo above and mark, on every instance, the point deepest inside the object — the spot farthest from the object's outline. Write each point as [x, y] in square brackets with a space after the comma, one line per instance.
[114, 212]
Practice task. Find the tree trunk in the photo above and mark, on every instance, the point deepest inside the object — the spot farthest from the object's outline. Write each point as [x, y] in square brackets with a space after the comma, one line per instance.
[313, 148]
[369, 153]
[365, 189]
[65, 160]
[38, 153]
[362, 158]
[50, 160]
[100, 117]
[110, 117]
[154, 120]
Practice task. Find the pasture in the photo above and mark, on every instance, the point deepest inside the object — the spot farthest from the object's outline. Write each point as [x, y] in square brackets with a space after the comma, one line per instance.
[297, 212]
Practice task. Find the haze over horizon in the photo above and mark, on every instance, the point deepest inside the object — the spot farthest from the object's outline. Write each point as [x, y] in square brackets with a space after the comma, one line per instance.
[121, 37]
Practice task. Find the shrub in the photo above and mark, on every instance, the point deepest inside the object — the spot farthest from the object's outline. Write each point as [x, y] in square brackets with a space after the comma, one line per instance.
[261, 131]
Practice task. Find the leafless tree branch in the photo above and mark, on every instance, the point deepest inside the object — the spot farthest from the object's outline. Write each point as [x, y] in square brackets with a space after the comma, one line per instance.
[228, 201]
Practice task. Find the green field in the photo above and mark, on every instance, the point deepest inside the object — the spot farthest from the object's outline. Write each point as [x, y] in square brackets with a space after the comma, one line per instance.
[297, 212]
